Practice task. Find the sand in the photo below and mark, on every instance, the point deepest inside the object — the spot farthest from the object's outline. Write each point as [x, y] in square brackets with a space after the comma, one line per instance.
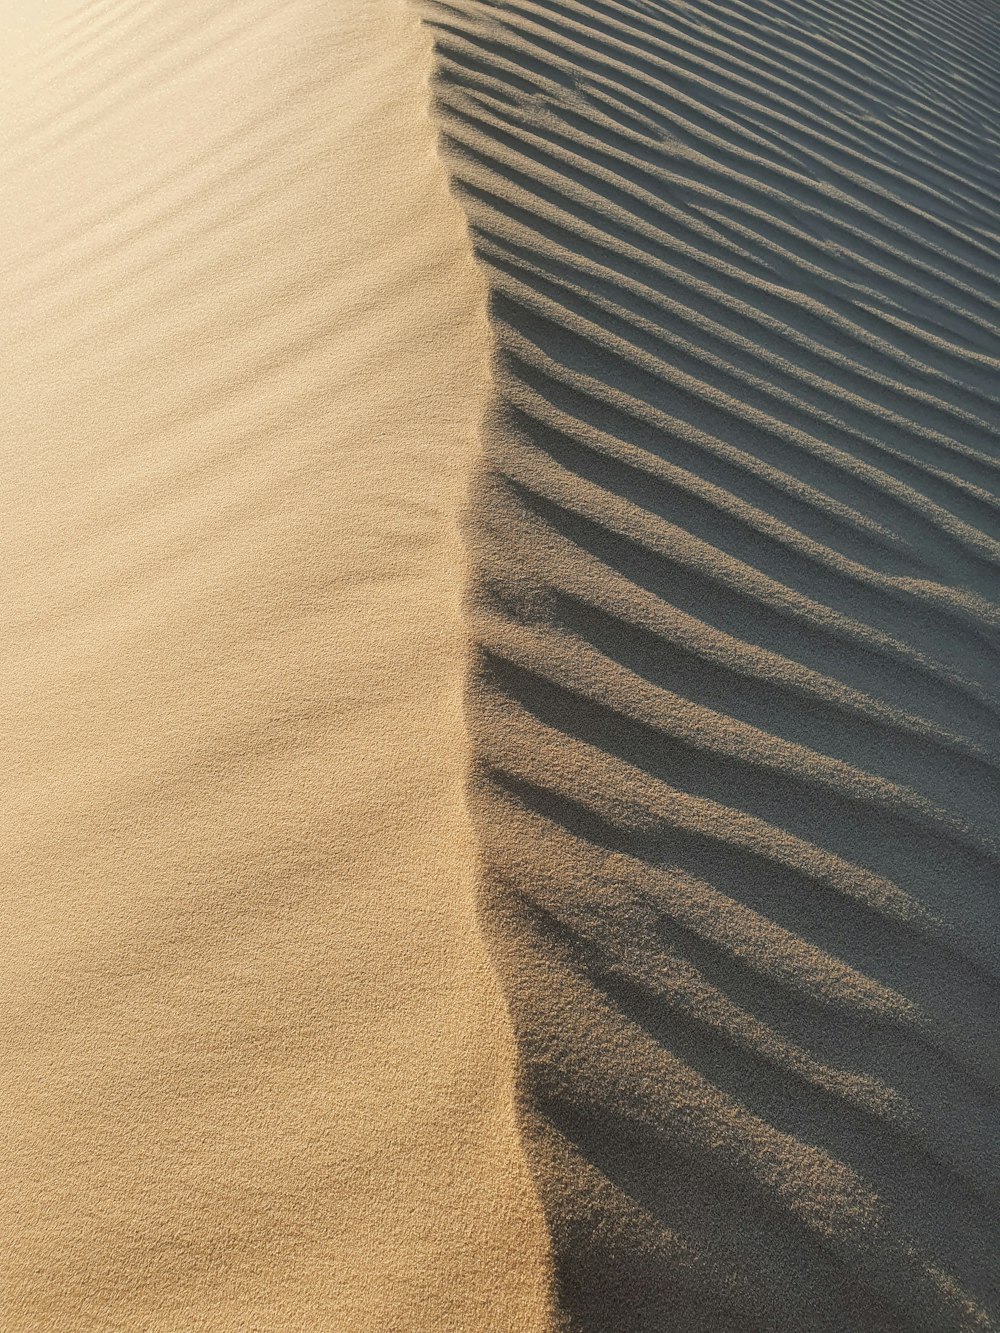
[499, 823]
[257, 1073]
[736, 715]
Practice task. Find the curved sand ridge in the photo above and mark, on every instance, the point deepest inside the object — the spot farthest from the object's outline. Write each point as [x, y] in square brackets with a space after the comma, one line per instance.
[736, 708]
[257, 1074]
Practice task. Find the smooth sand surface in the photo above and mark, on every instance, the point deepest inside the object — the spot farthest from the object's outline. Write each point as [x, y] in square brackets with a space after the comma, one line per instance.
[737, 710]
[257, 1073]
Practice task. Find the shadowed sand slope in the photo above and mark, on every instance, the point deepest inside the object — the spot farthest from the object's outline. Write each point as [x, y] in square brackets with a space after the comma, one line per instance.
[256, 1073]
[736, 707]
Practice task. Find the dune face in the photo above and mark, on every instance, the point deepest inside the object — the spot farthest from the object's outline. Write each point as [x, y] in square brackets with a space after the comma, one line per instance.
[695, 742]
[735, 704]
[257, 1071]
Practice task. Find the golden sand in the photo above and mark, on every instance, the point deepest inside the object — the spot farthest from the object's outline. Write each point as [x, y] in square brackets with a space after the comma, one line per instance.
[257, 1071]
[694, 736]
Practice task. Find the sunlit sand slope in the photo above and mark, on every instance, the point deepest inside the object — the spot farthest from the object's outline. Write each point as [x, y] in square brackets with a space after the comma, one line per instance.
[736, 704]
[256, 1073]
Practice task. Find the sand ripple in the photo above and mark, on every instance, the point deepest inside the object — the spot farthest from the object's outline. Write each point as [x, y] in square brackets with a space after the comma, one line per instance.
[736, 705]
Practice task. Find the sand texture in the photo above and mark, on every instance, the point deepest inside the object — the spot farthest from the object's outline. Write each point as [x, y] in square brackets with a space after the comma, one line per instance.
[735, 704]
[257, 1074]
[502, 688]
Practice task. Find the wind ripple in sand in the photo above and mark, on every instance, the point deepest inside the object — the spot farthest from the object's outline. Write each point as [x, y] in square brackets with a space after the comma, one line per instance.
[736, 706]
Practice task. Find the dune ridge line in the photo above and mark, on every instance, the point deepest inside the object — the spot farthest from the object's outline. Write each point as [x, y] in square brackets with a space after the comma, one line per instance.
[256, 1068]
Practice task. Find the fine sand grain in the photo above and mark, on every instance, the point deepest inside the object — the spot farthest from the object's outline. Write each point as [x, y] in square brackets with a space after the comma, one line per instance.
[257, 1075]
[733, 708]
[736, 704]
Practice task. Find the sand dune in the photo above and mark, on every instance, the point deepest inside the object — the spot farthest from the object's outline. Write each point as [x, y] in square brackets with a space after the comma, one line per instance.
[731, 710]
[257, 1073]
[736, 715]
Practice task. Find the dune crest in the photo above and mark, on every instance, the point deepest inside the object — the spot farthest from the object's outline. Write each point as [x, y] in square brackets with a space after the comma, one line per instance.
[257, 1070]
[737, 724]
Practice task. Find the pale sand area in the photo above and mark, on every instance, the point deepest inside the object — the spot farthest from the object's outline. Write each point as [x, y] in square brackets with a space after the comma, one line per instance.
[257, 1073]
[737, 708]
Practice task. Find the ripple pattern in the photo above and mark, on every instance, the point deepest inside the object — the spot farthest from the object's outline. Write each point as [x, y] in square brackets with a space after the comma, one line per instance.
[735, 538]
